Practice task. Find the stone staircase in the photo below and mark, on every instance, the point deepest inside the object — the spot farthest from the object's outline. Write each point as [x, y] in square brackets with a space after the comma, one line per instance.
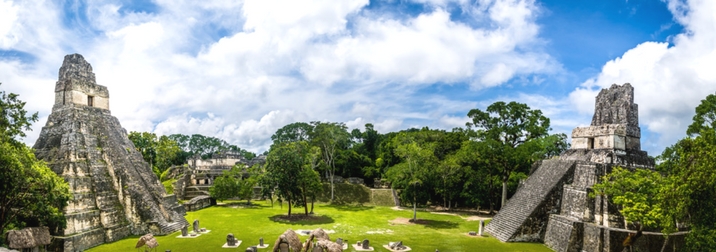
[540, 195]
[195, 191]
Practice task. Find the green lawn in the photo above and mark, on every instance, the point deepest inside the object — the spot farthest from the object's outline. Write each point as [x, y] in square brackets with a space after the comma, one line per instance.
[352, 223]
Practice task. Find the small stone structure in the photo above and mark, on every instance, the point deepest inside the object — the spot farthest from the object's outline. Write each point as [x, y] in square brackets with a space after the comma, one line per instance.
[552, 205]
[115, 193]
[198, 203]
[195, 226]
[29, 239]
[199, 174]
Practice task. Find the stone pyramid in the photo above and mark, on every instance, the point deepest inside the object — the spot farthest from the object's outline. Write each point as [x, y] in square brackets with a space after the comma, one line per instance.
[115, 193]
[553, 206]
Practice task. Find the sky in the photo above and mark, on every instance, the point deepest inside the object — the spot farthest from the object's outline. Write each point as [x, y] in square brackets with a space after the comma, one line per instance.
[240, 70]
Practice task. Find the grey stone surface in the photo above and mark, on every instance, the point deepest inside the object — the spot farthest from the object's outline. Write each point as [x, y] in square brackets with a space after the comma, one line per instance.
[524, 217]
[365, 244]
[230, 240]
[561, 214]
[195, 226]
[115, 193]
[615, 105]
[185, 231]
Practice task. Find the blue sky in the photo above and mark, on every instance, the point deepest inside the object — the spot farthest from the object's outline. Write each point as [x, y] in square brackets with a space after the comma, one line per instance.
[239, 70]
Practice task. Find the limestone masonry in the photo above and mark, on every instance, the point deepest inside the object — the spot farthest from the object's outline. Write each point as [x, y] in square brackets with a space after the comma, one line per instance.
[115, 193]
[553, 206]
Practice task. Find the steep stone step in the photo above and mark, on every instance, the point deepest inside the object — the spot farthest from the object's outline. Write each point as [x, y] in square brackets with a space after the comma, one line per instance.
[528, 199]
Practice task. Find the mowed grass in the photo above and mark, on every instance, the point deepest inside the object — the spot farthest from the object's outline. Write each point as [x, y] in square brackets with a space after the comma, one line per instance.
[352, 223]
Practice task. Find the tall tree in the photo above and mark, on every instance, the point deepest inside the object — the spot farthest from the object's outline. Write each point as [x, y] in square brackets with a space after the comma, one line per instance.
[285, 165]
[294, 132]
[505, 127]
[30, 193]
[159, 152]
[414, 169]
[330, 137]
[705, 117]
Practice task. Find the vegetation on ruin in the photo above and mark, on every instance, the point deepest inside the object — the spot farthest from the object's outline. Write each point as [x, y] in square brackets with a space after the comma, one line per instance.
[31, 194]
[350, 222]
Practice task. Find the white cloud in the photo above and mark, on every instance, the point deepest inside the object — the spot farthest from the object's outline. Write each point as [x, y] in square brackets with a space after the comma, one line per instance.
[256, 67]
[8, 16]
[669, 81]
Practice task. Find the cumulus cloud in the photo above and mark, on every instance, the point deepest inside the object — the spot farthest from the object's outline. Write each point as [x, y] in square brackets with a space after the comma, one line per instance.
[669, 80]
[239, 70]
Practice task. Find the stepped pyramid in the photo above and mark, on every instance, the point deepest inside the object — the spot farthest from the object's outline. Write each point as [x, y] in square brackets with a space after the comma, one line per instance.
[115, 193]
[552, 205]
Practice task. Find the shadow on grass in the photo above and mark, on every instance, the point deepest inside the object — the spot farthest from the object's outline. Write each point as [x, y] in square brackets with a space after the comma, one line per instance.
[432, 224]
[241, 205]
[438, 224]
[301, 219]
[351, 208]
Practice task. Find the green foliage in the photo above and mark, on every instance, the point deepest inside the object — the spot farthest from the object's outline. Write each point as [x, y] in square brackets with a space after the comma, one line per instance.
[510, 134]
[159, 152]
[227, 185]
[14, 120]
[30, 193]
[636, 192]
[294, 132]
[705, 117]
[290, 173]
[331, 138]
[232, 184]
[204, 147]
[690, 187]
[169, 185]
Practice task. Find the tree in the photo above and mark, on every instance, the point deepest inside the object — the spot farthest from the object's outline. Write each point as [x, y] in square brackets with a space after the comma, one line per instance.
[227, 186]
[636, 192]
[284, 164]
[30, 193]
[159, 152]
[414, 169]
[705, 117]
[294, 132]
[505, 127]
[330, 137]
[690, 187]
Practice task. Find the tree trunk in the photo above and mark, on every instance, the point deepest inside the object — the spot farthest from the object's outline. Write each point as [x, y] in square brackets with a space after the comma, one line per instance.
[504, 194]
[331, 189]
[289, 207]
[313, 198]
[305, 203]
[415, 204]
[666, 241]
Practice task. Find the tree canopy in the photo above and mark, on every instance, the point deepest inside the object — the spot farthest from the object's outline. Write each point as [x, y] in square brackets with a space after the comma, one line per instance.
[509, 132]
[30, 193]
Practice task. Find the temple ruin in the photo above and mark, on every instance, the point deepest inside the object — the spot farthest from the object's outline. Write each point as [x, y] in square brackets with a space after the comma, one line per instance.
[553, 206]
[115, 193]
